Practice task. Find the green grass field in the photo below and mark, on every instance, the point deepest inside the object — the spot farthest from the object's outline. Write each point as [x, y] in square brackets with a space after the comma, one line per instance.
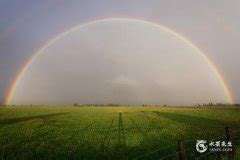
[109, 132]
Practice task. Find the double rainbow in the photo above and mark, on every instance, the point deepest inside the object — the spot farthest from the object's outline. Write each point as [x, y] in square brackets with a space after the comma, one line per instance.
[25, 67]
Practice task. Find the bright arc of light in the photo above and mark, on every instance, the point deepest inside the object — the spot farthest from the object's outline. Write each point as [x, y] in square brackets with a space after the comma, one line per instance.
[67, 31]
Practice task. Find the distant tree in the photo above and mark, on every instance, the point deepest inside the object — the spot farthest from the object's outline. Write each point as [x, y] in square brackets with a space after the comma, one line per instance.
[75, 104]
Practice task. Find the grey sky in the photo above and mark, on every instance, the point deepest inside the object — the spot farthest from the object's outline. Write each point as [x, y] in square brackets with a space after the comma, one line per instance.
[212, 25]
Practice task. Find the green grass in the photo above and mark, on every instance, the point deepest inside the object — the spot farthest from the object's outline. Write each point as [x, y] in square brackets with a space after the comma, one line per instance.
[101, 133]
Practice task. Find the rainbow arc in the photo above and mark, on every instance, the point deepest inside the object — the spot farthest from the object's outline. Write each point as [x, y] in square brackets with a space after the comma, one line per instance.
[25, 67]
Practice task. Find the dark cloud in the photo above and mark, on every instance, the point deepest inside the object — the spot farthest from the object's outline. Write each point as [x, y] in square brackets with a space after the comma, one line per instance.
[211, 25]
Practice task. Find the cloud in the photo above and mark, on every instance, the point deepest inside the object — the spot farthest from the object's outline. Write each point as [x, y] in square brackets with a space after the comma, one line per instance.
[124, 80]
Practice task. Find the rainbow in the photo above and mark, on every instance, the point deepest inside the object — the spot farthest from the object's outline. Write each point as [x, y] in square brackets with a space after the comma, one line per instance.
[25, 67]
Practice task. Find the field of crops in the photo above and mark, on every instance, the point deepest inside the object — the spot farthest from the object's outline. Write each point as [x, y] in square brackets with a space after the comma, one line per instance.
[109, 132]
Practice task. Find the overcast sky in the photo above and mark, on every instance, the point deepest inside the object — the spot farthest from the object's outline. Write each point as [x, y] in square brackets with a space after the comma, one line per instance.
[213, 26]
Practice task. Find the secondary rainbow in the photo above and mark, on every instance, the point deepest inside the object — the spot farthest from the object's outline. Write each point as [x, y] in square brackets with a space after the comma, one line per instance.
[22, 71]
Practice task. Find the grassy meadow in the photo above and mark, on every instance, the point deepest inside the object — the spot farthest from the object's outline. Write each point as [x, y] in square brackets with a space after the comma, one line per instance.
[109, 132]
